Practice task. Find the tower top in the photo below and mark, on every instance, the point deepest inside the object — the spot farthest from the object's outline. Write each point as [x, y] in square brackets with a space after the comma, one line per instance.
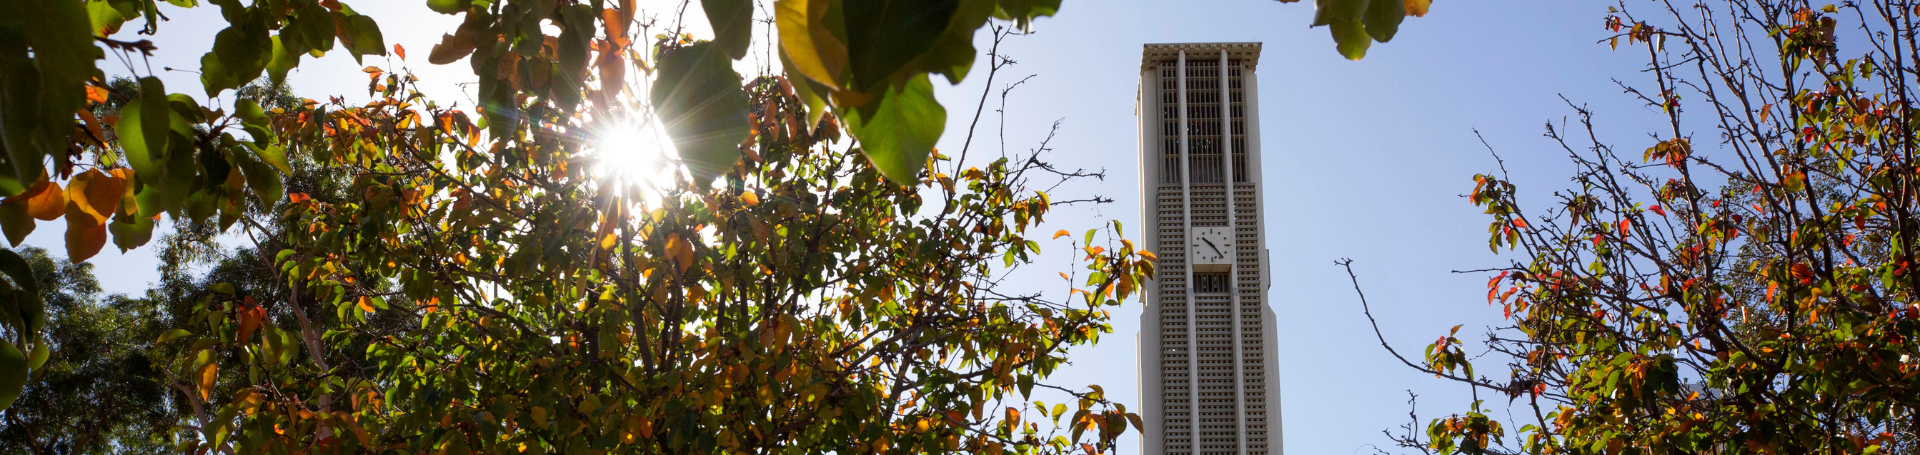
[1248, 53]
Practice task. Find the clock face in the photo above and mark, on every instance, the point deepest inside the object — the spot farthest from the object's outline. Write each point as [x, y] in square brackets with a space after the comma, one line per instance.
[1211, 245]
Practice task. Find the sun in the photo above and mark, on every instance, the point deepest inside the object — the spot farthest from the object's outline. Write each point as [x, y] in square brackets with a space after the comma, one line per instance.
[636, 153]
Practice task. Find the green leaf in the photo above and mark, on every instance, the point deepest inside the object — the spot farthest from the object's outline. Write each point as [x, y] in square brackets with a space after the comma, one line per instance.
[283, 60]
[1383, 19]
[38, 357]
[315, 25]
[249, 111]
[365, 37]
[275, 156]
[809, 42]
[33, 310]
[897, 135]
[732, 22]
[171, 335]
[13, 373]
[41, 92]
[239, 53]
[262, 178]
[15, 221]
[1350, 38]
[1328, 12]
[144, 129]
[883, 36]
[131, 232]
[106, 17]
[449, 6]
[700, 102]
[17, 269]
[1022, 12]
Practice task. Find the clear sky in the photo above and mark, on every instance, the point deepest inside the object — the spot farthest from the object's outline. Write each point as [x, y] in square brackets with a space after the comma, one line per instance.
[1366, 160]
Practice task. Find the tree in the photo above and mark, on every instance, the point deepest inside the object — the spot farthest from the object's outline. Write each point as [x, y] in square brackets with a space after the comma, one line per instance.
[867, 62]
[1751, 291]
[102, 394]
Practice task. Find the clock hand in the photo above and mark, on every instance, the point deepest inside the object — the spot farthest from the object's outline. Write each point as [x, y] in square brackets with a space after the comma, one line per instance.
[1216, 248]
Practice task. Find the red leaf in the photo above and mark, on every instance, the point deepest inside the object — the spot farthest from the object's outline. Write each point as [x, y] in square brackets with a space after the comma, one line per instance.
[1657, 210]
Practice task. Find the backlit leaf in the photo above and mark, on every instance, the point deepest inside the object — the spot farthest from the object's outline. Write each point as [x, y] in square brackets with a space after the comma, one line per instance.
[732, 22]
[807, 41]
[897, 135]
[703, 108]
[13, 373]
[84, 241]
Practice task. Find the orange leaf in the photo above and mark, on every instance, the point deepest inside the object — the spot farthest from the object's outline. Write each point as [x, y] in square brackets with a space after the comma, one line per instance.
[84, 241]
[1062, 233]
[298, 197]
[45, 200]
[679, 251]
[1657, 210]
[1520, 223]
[208, 373]
[92, 197]
[250, 320]
[401, 51]
[1063, 276]
[96, 94]
[1149, 255]
[1626, 228]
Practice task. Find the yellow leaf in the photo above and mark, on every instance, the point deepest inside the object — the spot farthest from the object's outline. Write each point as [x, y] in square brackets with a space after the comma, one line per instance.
[1418, 8]
[208, 373]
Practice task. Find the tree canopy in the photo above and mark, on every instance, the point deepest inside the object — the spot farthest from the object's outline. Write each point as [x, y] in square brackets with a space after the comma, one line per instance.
[1745, 285]
[419, 277]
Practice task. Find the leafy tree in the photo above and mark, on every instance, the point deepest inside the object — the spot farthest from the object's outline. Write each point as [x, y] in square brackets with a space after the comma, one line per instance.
[101, 393]
[1751, 291]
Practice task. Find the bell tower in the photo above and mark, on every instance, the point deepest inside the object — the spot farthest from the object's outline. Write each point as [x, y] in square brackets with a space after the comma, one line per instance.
[1209, 379]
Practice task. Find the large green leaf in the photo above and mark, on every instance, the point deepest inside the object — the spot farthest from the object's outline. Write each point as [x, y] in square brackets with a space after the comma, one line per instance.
[363, 35]
[1022, 12]
[807, 39]
[40, 94]
[282, 59]
[1351, 39]
[449, 6]
[1327, 12]
[898, 134]
[1383, 19]
[131, 232]
[883, 36]
[732, 22]
[315, 26]
[13, 373]
[17, 269]
[261, 177]
[15, 222]
[145, 131]
[239, 53]
[699, 98]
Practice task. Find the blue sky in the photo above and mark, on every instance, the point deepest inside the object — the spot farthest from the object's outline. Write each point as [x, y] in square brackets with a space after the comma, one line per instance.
[1365, 160]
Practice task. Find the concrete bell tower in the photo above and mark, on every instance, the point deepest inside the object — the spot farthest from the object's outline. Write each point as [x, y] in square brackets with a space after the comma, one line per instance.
[1209, 378]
